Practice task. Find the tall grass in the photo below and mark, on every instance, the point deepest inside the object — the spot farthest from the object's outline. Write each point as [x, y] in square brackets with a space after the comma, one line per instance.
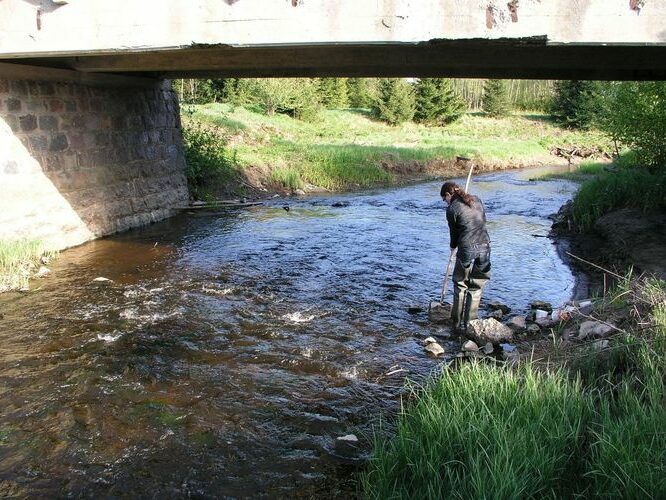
[483, 431]
[16, 260]
[627, 187]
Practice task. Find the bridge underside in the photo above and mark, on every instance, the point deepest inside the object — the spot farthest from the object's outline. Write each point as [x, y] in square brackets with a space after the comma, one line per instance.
[527, 58]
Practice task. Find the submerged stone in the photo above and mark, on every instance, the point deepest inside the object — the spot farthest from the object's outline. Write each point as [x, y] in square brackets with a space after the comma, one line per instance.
[439, 312]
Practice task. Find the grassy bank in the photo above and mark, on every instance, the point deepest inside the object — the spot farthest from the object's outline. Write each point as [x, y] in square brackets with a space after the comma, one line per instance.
[346, 149]
[592, 428]
[18, 262]
[605, 188]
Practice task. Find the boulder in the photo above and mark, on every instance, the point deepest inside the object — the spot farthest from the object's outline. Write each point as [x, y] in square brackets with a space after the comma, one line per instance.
[490, 330]
[593, 330]
[517, 323]
[540, 304]
[439, 312]
[497, 306]
[434, 349]
[497, 314]
[470, 346]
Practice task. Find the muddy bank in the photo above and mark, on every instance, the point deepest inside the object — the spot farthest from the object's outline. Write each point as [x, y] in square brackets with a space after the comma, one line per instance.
[618, 241]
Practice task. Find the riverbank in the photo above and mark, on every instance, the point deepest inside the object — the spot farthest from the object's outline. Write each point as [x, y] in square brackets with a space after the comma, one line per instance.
[348, 149]
[577, 408]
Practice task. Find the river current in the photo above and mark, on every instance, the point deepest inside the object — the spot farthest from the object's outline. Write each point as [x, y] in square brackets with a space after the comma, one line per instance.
[231, 350]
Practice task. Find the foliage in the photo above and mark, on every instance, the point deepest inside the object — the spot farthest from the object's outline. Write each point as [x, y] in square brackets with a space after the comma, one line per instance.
[528, 95]
[361, 92]
[333, 92]
[627, 187]
[575, 103]
[207, 162]
[634, 113]
[496, 98]
[436, 102]
[395, 101]
[17, 259]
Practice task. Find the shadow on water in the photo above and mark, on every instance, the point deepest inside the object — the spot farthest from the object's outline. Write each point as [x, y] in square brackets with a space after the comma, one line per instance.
[228, 353]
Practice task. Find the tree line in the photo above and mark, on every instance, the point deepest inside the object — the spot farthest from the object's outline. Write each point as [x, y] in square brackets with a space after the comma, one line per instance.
[633, 114]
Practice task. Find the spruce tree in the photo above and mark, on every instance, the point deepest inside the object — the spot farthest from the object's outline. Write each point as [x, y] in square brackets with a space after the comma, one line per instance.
[361, 92]
[395, 101]
[496, 98]
[333, 92]
[575, 103]
[436, 102]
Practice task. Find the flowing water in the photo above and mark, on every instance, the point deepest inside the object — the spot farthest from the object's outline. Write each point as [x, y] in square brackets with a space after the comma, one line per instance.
[230, 350]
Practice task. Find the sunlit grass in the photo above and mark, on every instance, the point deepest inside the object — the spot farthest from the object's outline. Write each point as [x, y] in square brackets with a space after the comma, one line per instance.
[17, 259]
[346, 148]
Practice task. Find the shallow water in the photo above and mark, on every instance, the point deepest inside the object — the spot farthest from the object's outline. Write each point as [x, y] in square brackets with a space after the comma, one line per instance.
[231, 350]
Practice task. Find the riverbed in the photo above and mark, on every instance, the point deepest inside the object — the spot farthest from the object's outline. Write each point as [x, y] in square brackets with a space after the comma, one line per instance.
[228, 351]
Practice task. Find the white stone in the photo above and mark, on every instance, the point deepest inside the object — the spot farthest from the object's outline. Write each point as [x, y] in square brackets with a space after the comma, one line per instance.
[43, 271]
[435, 349]
[430, 340]
[101, 279]
[349, 438]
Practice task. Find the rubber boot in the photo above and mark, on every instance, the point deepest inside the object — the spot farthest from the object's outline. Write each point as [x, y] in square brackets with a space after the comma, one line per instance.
[472, 305]
[458, 311]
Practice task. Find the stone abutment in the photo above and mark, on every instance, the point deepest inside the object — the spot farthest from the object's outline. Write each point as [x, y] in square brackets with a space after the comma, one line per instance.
[80, 161]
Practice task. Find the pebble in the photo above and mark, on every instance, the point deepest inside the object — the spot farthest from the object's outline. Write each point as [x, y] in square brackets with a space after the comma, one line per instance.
[517, 323]
[470, 346]
[434, 348]
[533, 328]
[488, 348]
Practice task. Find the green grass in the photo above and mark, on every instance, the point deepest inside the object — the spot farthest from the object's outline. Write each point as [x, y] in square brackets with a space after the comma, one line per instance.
[17, 261]
[486, 431]
[345, 149]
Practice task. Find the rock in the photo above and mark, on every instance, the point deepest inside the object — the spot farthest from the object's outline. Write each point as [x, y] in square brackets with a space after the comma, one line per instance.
[470, 346]
[511, 358]
[340, 204]
[299, 192]
[517, 323]
[346, 444]
[593, 330]
[488, 348]
[434, 349]
[43, 271]
[561, 315]
[349, 438]
[438, 312]
[545, 322]
[600, 345]
[489, 330]
[414, 309]
[585, 307]
[496, 314]
[533, 328]
[101, 279]
[497, 306]
[429, 340]
[540, 304]
[540, 314]
[507, 348]
[45, 259]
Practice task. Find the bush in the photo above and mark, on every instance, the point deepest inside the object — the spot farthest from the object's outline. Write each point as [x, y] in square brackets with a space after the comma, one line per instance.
[634, 113]
[496, 98]
[395, 101]
[206, 159]
[436, 102]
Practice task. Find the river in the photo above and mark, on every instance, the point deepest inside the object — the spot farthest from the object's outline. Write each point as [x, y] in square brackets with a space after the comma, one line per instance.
[230, 350]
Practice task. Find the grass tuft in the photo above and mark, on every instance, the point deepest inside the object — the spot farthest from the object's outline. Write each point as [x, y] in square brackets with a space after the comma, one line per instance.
[17, 260]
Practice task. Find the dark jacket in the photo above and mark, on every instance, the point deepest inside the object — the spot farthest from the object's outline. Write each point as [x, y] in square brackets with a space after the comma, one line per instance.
[467, 225]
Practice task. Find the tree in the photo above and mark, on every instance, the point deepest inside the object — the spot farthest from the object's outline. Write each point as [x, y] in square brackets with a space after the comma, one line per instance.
[634, 113]
[333, 92]
[361, 92]
[297, 97]
[436, 102]
[575, 103]
[395, 102]
[496, 98]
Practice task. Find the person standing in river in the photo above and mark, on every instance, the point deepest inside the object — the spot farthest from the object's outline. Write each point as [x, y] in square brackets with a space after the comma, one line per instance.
[469, 237]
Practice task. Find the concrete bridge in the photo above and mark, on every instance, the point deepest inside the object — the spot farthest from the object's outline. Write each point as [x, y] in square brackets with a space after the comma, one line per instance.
[89, 130]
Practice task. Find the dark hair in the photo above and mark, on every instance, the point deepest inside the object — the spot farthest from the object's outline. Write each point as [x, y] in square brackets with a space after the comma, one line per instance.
[456, 192]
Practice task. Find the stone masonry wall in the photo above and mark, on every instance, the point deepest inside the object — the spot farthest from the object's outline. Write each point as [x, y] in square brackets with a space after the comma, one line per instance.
[78, 162]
